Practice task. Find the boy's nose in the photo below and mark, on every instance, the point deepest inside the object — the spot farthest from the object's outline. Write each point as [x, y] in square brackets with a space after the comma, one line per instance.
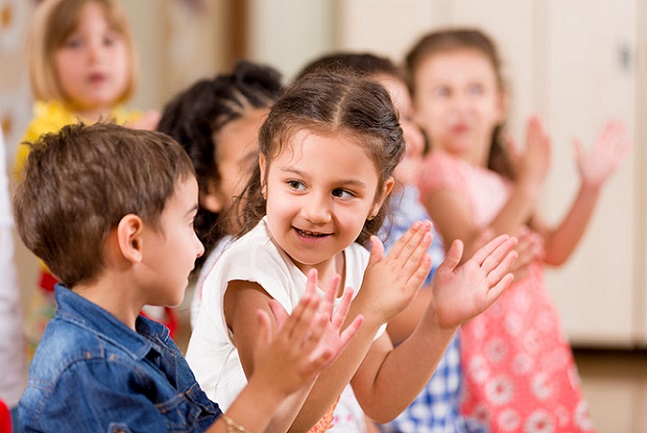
[200, 248]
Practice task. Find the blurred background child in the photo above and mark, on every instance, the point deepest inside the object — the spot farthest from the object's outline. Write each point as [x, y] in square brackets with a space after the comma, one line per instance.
[519, 368]
[82, 66]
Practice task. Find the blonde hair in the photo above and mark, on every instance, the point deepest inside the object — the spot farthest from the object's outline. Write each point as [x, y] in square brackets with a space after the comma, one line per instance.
[53, 22]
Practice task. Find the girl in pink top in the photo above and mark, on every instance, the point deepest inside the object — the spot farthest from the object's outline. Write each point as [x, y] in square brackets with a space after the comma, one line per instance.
[519, 369]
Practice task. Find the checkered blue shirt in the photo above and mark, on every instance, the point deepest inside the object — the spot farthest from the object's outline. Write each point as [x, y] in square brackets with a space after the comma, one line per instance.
[436, 409]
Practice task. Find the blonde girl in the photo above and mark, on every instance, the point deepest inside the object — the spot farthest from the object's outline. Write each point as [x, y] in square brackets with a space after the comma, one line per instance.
[82, 66]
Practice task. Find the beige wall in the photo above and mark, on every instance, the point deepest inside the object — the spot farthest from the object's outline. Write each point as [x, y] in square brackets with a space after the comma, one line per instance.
[561, 59]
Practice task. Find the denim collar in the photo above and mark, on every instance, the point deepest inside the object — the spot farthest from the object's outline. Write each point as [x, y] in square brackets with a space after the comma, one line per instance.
[86, 314]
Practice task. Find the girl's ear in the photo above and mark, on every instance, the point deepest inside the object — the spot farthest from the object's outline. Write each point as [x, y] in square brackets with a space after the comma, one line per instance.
[211, 199]
[130, 239]
[379, 200]
[261, 165]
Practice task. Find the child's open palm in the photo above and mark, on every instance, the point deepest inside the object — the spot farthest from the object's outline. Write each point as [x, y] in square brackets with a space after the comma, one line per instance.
[391, 281]
[532, 164]
[462, 292]
[302, 344]
[596, 165]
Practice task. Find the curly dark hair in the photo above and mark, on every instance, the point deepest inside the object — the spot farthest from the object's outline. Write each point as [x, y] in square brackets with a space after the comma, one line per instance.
[195, 115]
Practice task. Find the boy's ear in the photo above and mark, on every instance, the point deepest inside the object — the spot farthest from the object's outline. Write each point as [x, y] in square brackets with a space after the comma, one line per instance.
[130, 239]
[386, 190]
[211, 199]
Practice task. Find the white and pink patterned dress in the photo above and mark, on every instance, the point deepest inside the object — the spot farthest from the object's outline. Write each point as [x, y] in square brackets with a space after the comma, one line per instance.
[520, 375]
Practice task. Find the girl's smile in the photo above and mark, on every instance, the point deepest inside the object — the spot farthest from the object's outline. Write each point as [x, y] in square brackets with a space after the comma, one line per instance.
[320, 191]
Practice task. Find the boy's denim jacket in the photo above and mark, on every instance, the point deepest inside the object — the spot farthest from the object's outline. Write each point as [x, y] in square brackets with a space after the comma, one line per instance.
[91, 373]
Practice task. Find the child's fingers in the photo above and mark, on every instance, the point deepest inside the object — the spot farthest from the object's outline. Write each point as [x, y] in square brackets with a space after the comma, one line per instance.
[311, 282]
[279, 313]
[339, 315]
[417, 259]
[328, 303]
[482, 253]
[503, 268]
[410, 238]
[297, 327]
[453, 256]
[265, 332]
[497, 255]
[495, 292]
[350, 331]
[377, 251]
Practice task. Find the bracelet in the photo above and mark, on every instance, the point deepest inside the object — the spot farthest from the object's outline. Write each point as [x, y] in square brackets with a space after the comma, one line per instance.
[233, 426]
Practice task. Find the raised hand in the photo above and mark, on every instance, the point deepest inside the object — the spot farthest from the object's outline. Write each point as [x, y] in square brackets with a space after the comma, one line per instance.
[532, 164]
[391, 281]
[302, 344]
[462, 292]
[596, 165]
[530, 250]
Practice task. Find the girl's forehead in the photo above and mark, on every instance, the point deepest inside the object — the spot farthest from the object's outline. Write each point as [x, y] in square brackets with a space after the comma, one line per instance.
[294, 142]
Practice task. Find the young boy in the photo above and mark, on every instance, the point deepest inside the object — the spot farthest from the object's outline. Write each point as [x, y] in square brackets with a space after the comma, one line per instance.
[110, 211]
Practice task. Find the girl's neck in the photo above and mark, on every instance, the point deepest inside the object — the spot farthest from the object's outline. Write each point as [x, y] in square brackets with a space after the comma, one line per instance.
[93, 114]
[475, 159]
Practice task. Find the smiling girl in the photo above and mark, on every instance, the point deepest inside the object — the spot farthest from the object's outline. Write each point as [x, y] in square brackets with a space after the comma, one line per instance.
[327, 153]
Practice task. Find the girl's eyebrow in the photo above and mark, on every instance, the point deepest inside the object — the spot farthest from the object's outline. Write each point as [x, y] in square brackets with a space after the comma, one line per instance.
[346, 182]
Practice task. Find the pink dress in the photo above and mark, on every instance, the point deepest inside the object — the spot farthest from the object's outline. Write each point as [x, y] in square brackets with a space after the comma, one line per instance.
[520, 375]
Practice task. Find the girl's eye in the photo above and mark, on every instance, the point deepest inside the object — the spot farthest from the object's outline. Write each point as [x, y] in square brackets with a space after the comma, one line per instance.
[341, 193]
[111, 39]
[72, 43]
[296, 185]
[441, 92]
[475, 89]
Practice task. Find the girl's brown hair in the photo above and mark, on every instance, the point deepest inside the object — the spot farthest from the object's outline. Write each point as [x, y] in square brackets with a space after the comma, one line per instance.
[330, 103]
[448, 40]
[53, 22]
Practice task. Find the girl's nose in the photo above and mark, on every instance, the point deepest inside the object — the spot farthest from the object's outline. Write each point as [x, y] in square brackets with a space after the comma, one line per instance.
[316, 209]
[95, 50]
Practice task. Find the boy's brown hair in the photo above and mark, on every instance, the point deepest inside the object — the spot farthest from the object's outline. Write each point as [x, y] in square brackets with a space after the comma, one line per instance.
[79, 183]
[53, 22]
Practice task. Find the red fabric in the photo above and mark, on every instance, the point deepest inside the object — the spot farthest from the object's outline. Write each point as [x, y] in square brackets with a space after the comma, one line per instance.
[5, 418]
[47, 281]
[519, 372]
[170, 320]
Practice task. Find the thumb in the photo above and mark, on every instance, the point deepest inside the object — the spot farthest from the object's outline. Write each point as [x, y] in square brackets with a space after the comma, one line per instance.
[454, 255]
[377, 251]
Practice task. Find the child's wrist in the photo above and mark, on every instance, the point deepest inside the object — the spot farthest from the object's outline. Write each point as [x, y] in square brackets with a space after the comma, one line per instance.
[264, 397]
